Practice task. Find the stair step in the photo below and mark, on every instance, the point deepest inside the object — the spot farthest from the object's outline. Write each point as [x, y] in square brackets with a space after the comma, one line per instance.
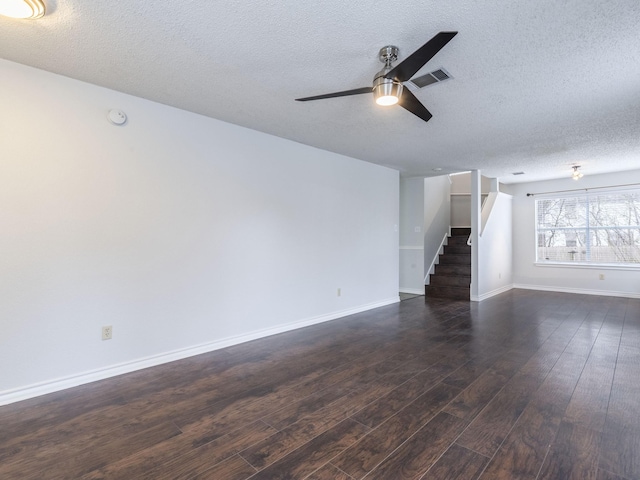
[457, 281]
[455, 259]
[459, 293]
[453, 269]
[460, 231]
[464, 249]
[458, 240]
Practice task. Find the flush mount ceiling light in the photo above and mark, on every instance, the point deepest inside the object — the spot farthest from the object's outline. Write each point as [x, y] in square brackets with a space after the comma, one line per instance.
[22, 8]
[576, 175]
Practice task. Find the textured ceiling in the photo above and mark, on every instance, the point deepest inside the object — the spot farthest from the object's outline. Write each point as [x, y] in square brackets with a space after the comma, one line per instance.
[537, 86]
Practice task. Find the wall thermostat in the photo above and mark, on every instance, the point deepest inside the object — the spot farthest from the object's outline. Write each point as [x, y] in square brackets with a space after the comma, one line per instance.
[117, 117]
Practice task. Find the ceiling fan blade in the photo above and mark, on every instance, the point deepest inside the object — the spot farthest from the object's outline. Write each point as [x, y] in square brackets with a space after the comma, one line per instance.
[409, 102]
[414, 62]
[345, 93]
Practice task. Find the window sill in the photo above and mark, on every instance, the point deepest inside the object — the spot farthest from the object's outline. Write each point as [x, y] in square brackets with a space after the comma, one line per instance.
[596, 266]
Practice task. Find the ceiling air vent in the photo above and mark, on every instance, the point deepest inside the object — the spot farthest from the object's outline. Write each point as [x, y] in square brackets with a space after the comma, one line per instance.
[430, 78]
[517, 173]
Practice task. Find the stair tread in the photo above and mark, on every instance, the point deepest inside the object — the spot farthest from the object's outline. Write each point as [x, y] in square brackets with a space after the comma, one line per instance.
[450, 282]
[447, 291]
[458, 241]
[464, 275]
[453, 269]
[449, 286]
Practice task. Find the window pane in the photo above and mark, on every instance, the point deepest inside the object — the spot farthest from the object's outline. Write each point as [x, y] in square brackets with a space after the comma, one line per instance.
[562, 245]
[590, 228]
[562, 212]
[615, 209]
[615, 245]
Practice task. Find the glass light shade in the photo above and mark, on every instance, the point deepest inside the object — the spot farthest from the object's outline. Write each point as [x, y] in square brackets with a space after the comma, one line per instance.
[387, 92]
[387, 100]
[576, 175]
[22, 8]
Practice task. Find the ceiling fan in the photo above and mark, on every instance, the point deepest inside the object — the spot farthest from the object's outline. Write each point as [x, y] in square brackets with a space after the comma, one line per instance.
[388, 83]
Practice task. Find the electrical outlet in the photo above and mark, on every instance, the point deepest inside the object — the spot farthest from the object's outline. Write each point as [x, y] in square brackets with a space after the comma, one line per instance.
[601, 276]
[107, 332]
[339, 292]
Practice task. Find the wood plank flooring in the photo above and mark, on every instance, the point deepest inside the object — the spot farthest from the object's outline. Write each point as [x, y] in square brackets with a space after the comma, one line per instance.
[525, 385]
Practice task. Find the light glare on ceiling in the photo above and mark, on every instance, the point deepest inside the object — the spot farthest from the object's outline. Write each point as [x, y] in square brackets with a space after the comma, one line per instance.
[22, 8]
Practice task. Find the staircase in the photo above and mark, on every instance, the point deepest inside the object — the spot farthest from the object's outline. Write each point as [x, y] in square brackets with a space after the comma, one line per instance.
[452, 277]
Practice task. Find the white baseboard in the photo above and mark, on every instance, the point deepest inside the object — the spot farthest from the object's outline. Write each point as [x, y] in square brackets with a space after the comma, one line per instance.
[43, 388]
[414, 291]
[581, 291]
[492, 293]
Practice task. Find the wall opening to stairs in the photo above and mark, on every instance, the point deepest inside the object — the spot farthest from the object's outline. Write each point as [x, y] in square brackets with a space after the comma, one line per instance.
[435, 224]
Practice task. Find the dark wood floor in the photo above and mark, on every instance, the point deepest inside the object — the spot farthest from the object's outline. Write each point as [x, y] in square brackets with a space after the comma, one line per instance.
[525, 385]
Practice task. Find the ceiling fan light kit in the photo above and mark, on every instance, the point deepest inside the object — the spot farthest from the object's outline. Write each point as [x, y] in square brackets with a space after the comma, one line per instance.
[576, 175]
[386, 92]
[24, 9]
[388, 83]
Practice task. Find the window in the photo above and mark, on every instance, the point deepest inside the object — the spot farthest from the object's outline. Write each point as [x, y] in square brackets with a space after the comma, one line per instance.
[591, 228]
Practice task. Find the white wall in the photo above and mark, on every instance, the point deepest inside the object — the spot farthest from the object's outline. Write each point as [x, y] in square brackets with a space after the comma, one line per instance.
[461, 198]
[412, 235]
[461, 211]
[437, 216]
[461, 183]
[526, 274]
[495, 247]
[184, 233]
